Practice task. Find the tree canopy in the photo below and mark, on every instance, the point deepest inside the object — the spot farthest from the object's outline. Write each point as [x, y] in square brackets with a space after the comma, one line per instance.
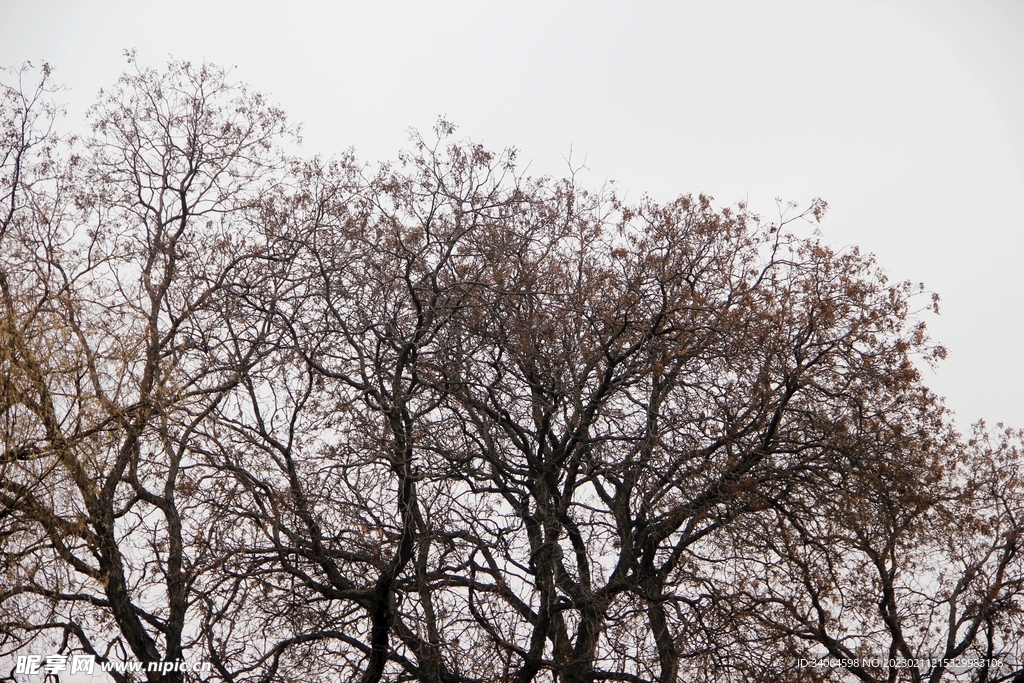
[440, 420]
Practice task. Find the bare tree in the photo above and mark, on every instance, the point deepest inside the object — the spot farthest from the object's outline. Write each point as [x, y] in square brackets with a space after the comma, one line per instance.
[119, 342]
[904, 563]
[440, 421]
[540, 416]
[33, 196]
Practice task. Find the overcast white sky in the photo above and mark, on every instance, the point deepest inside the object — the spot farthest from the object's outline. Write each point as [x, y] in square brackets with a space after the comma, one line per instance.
[907, 117]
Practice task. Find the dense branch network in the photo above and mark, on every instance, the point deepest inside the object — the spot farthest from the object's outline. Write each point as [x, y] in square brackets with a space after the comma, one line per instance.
[440, 421]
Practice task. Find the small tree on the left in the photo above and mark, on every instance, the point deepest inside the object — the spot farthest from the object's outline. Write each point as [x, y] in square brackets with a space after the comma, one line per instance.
[116, 342]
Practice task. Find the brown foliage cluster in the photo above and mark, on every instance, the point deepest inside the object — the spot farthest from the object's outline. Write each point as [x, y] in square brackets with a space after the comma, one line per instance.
[441, 421]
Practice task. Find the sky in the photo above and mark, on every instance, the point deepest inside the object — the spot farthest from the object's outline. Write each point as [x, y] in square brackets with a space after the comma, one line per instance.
[906, 117]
